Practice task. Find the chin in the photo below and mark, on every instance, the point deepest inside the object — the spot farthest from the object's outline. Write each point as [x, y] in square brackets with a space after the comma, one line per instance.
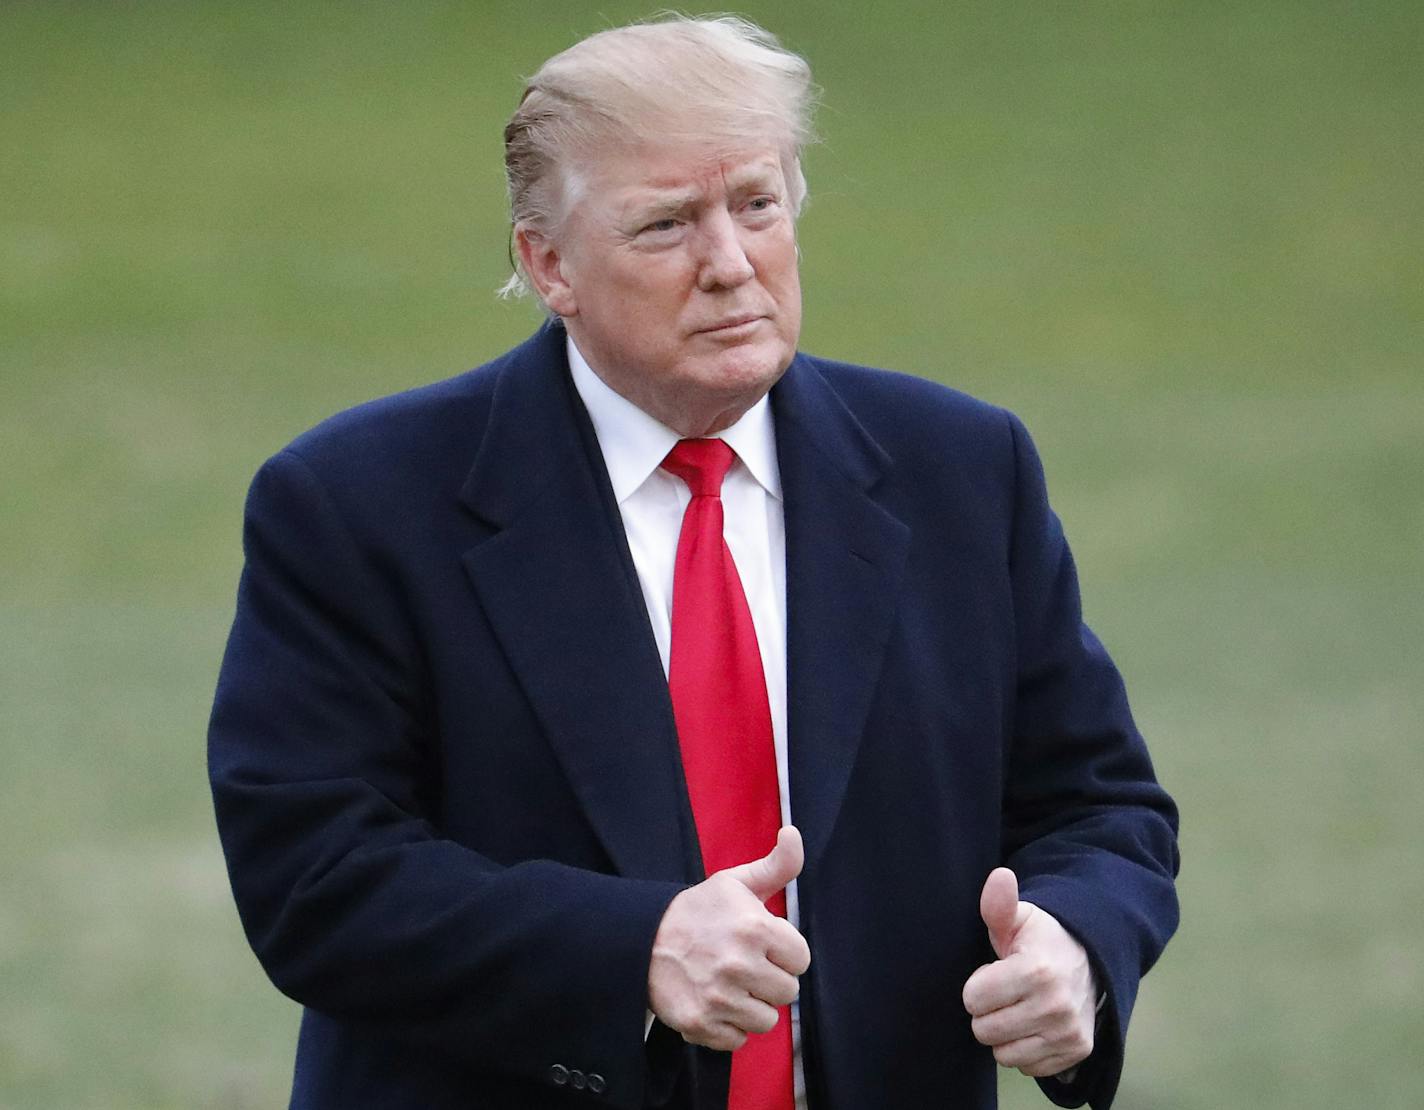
[741, 370]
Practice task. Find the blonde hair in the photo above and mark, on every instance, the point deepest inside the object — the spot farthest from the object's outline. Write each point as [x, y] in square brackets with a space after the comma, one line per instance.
[713, 80]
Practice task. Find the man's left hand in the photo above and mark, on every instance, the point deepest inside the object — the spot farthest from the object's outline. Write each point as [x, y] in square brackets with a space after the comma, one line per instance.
[1035, 1005]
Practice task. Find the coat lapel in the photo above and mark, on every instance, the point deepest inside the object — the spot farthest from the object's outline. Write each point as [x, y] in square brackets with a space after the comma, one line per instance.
[845, 557]
[558, 586]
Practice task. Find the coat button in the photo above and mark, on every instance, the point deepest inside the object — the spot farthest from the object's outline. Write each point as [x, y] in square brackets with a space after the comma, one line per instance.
[596, 1083]
[577, 1080]
[558, 1075]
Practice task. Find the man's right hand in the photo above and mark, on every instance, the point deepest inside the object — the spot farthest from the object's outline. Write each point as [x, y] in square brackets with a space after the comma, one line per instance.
[722, 962]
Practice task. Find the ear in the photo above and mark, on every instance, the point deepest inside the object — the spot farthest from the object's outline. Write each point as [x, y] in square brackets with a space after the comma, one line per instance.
[543, 263]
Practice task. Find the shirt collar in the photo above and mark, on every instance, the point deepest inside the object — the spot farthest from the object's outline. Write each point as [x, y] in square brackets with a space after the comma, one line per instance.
[634, 444]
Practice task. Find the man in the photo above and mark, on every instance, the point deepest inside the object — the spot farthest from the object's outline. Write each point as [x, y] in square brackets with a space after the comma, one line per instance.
[659, 716]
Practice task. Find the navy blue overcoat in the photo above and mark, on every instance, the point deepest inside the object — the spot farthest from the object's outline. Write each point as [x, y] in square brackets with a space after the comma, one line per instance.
[447, 778]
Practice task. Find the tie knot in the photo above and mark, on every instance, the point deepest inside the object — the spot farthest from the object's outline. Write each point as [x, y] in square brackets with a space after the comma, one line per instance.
[701, 463]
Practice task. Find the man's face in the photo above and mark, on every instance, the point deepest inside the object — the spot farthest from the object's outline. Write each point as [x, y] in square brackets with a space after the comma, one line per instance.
[676, 276]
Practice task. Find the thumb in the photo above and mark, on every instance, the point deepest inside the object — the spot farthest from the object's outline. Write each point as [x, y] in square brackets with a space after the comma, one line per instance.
[1001, 909]
[765, 876]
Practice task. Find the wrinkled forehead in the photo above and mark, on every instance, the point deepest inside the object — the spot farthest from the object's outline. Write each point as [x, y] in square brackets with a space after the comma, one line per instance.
[658, 165]
[622, 173]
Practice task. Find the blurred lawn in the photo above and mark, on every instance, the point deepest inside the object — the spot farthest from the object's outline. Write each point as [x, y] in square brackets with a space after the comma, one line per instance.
[1184, 241]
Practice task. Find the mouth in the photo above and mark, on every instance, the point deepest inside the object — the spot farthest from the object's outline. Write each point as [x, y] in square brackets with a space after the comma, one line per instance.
[731, 325]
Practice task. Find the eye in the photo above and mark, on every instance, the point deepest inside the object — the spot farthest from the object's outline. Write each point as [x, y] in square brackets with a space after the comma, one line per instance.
[764, 204]
[665, 224]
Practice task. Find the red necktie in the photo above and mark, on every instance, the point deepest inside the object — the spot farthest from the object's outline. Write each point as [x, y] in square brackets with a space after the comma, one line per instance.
[724, 728]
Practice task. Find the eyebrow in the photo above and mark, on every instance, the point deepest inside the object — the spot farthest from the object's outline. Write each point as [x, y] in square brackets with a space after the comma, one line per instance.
[762, 175]
[668, 202]
[660, 204]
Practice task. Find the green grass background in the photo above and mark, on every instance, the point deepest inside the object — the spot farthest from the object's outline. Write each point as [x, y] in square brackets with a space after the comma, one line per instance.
[1183, 240]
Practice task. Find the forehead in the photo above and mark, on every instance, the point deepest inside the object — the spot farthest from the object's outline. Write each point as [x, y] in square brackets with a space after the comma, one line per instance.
[629, 174]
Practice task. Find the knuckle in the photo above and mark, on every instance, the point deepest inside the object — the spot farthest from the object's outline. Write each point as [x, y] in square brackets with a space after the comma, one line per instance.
[798, 952]
[1040, 974]
[720, 1035]
[695, 1031]
[681, 1017]
[707, 1037]
[750, 930]
[730, 966]
[761, 1022]
[1057, 1005]
[1060, 1035]
[719, 1000]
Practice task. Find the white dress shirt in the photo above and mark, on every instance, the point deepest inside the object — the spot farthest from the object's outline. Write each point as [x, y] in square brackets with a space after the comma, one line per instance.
[652, 503]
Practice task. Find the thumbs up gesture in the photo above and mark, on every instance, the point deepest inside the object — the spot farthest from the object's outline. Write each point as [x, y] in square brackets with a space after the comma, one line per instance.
[722, 962]
[1035, 1005]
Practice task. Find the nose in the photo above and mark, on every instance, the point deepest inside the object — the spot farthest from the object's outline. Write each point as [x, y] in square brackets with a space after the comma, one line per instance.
[723, 263]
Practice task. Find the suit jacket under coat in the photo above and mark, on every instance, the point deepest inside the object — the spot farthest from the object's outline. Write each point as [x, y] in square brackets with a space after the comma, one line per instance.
[447, 776]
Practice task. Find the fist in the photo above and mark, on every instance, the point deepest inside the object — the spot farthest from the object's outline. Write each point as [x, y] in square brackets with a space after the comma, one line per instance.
[722, 962]
[1035, 1006]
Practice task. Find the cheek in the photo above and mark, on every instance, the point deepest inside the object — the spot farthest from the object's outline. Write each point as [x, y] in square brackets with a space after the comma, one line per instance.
[792, 280]
[779, 264]
[786, 287]
[788, 296]
[652, 288]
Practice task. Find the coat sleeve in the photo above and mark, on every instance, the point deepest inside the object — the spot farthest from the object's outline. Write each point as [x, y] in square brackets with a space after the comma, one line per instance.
[322, 765]
[1087, 828]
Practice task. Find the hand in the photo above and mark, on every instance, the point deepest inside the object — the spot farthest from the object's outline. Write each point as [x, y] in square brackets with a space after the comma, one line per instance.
[1036, 1005]
[722, 962]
